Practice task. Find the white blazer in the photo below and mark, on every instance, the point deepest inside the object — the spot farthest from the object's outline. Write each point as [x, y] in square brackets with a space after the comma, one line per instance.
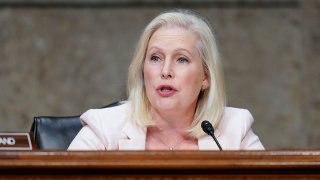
[110, 129]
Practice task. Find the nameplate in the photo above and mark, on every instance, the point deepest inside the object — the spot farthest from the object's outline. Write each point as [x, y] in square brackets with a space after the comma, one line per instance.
[15, 141]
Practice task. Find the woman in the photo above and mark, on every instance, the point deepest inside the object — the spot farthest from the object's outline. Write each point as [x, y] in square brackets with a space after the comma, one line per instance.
[175, 82]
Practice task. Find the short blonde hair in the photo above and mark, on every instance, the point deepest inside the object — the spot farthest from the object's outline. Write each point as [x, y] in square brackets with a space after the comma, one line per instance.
[211, 101]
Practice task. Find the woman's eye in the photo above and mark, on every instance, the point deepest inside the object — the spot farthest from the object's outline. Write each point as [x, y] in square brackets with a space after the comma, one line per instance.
[155, 58]
[183, 60]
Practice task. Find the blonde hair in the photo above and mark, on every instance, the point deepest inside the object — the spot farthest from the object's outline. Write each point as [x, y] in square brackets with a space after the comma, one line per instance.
[211, 101]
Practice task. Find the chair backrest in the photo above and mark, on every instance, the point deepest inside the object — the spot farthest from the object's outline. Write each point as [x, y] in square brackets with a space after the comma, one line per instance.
[56, 133]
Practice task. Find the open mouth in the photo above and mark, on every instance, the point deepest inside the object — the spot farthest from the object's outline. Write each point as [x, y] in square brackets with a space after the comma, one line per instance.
[165, 90]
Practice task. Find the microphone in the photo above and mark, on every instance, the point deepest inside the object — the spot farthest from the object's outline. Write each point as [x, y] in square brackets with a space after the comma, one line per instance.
[208, 128]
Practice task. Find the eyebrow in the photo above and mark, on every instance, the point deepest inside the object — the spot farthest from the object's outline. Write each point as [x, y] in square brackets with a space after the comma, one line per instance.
[176, 50]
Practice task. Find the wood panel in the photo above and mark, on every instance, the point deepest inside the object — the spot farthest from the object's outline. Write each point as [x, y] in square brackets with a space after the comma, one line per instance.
[160, 164]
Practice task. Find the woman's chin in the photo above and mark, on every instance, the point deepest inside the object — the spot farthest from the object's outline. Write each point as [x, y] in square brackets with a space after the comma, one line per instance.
[166, 105]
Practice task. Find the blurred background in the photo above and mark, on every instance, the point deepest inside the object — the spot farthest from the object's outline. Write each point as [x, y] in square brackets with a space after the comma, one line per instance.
[62, 57]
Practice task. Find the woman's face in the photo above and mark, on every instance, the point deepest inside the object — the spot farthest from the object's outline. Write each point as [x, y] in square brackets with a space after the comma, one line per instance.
[173, 70]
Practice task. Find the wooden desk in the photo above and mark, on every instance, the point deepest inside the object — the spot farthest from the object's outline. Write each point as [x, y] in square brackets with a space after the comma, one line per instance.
[160, 164]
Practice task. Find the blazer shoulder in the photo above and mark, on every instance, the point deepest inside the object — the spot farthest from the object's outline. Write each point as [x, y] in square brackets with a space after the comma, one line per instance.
[236, 130]
[235, 120]
[238, 114]
[104, 112]
[106, 119]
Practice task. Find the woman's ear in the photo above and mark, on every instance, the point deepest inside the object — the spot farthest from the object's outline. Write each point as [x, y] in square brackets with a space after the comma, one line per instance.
[205, 82]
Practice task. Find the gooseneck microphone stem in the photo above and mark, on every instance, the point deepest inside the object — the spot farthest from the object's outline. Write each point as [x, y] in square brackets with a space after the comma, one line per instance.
[215, 139]
[208, 128]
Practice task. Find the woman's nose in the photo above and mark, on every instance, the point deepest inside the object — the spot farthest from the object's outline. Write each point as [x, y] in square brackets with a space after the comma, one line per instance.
[167, 70]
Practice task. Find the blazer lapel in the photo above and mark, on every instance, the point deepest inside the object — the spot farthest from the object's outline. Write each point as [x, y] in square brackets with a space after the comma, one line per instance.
[206, 142]
[133, 137]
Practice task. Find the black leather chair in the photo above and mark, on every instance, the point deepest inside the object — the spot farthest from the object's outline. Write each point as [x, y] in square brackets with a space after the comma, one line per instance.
[56, 133]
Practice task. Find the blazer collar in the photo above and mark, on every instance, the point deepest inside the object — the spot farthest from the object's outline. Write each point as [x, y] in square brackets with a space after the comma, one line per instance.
[206, 142]
[133, 137]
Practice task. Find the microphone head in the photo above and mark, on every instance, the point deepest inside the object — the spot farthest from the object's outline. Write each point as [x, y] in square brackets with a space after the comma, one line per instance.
[207, 127]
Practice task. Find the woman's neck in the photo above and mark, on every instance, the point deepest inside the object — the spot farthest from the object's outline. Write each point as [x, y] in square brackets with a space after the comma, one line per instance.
[172, 120]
